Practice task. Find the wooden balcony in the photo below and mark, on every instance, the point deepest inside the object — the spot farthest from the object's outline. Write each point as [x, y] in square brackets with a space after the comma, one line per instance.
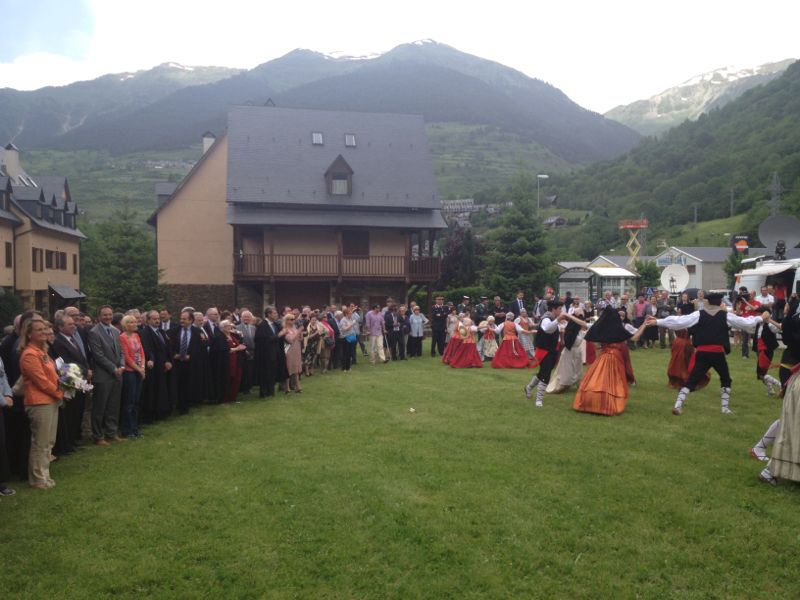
[330, 266]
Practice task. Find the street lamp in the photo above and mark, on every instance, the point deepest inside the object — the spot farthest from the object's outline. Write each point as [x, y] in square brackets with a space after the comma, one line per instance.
[539, 177]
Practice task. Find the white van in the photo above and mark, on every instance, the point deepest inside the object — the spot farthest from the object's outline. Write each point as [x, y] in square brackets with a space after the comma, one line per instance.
[778, 273]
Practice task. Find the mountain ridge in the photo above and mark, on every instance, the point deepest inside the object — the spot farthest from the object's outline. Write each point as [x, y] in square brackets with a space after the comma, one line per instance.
[696, 96]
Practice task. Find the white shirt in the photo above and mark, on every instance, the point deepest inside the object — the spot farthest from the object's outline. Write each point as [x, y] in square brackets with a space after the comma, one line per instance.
[768, 299]
[548, 325]
[685, 321]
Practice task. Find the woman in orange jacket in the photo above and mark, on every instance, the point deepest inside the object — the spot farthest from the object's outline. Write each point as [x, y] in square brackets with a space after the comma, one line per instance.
[43, 396]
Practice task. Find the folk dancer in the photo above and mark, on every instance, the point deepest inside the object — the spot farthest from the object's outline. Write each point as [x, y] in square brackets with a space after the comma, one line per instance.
[680, 359]
[709, 330]
[487, 347]
[790, 327]
[466, 354]
[546, 350]
[570, 363]
[525, 332]
[510, 354]
[604, 387]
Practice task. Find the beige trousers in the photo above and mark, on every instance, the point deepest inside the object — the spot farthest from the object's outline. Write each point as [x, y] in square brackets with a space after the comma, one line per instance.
[44, 426]
[376, 345]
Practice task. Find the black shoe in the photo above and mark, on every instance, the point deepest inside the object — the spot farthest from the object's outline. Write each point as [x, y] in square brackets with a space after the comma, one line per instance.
[6, 491]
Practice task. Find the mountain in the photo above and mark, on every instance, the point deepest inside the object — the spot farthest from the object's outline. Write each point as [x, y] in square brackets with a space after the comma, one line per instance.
[34, 119]
[734, 149]
[443, 84]
[694, 97]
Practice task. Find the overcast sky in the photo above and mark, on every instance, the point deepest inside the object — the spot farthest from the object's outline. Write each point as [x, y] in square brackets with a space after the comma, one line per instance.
[600, 53]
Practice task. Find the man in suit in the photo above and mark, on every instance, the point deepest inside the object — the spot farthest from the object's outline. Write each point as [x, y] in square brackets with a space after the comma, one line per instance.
[439, 313]
[81, 339]
[248, 331]
[518, 304]
[65, 347]
[186, 348]
[155, 391]
[166, 324]
[108, 365]
[218, 359]
[270, 359]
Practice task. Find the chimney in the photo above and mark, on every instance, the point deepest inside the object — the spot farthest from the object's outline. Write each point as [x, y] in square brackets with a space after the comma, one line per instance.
[11, 162]
[208, 140]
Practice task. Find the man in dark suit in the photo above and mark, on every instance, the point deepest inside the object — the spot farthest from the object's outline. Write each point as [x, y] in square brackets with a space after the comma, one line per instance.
[336, 354]
[439, 313]
[155, 391]
[166, 324]
[499, 310]
[65, 347]
[108, 365]
[248, 331]
[218, 358]
[518, 304]
[186, 348]
[270, 359]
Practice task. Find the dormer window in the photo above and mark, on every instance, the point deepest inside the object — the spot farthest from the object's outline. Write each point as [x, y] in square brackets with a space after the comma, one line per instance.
[339, 184]
[339, 178]
[350, 140]
[316, 138]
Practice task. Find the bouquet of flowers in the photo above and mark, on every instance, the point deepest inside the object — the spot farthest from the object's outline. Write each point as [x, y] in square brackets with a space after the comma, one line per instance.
[70, 378]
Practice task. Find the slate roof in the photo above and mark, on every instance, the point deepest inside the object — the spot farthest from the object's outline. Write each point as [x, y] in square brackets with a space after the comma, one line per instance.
[271, 158]
[4, 214]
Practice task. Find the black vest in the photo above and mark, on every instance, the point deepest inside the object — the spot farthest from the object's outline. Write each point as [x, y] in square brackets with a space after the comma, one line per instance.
[544, 340]
[770, 339]
[712, 331]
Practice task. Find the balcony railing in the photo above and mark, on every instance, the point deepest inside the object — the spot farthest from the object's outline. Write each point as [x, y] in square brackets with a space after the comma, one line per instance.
[326, 265]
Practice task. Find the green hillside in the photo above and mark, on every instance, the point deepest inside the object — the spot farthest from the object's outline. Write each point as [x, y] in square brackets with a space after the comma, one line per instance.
[469, 158]
[737, 147]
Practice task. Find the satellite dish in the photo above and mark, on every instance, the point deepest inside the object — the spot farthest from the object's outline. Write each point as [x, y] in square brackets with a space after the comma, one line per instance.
[776, 229]
[674, 278]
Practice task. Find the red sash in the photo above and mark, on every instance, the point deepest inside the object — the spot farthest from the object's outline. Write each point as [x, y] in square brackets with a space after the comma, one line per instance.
[707, 348]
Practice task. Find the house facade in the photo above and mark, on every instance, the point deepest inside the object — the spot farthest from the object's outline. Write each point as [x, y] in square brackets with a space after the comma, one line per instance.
[294, 206]
[39, 237]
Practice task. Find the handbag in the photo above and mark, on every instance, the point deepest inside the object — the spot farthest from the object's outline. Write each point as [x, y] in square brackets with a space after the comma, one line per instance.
[351, 339]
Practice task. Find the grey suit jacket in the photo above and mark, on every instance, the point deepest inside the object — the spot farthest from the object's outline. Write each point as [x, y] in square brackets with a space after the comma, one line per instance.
[106, 352]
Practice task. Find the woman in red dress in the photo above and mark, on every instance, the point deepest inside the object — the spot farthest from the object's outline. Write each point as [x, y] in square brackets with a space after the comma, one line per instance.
[453, 344]
[510, 354]
[466, 355]
[234, 366]
[604, 387]
[678, 369]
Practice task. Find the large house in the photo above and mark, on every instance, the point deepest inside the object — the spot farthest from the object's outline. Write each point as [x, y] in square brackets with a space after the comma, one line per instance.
[294, 206]
[39, 236]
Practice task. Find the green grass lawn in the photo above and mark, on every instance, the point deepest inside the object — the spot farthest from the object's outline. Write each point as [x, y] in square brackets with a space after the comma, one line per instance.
[342, 492]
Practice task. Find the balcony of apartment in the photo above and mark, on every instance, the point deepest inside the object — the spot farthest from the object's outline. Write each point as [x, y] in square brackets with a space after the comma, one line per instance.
[331, 266]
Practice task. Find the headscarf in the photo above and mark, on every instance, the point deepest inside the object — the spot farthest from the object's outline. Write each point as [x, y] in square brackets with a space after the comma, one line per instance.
[608, 329]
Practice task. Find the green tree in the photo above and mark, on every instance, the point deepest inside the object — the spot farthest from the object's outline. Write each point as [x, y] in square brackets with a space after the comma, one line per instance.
[648, 272]
[732, 265]
[461, 260]
[119, 264]
[517, 252]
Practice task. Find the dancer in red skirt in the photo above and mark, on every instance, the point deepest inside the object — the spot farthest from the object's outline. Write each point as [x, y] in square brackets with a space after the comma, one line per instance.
[466, 354]
[510, 354]
[678, 369]
[453, 344]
